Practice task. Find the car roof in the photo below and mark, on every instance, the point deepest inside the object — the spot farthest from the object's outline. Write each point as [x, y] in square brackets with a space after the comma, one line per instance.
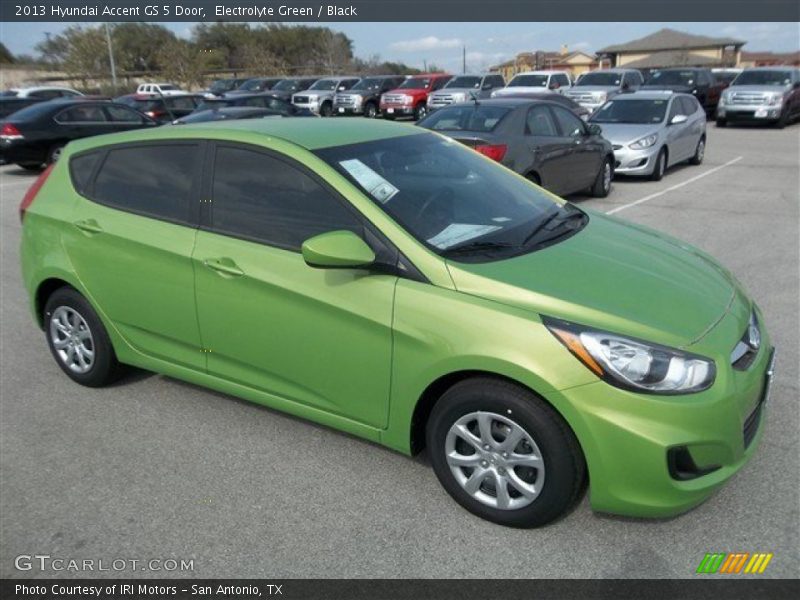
[649, 95]
[36, 88]
[542, 72]
[773, 68]
[311, 134]
[509, 101]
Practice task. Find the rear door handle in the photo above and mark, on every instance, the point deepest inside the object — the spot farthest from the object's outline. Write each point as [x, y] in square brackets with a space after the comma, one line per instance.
[88, 226]
[223, 265]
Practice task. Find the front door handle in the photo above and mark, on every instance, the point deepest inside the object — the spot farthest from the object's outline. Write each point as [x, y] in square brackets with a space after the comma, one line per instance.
[88, 226]
[223, 265]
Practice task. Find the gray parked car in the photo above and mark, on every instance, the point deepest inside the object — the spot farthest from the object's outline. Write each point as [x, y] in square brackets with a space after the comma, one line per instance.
[763, 95]
[652, 131]
[595, 88]
[464, 87]
[319, 97]
[539, 139]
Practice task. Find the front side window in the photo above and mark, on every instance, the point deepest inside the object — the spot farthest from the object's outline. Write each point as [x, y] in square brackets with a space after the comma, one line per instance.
[122, 114]
[449, 197]
[326, 85]
[258, 197]
[571, 126]
[153, 180]
[84, 113]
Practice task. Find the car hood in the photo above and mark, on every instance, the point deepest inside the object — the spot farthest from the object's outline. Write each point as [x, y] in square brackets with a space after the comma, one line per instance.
[521, 89]
[758, 88]
[592, 88]
[625, 133]
[677, 87]
[446, 91]
[614, 276]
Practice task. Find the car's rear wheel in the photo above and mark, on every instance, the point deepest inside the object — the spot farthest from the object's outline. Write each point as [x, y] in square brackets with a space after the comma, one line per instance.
[602, 183]
[326, 109]
[504, 454]
[420, 110]
[54, 153]
[660, 167]
[78, 340]
[699, 152]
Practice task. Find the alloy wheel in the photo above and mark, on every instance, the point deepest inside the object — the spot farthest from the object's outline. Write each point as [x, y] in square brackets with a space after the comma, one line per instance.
[495, 460]
[72, 339]
[607, 176]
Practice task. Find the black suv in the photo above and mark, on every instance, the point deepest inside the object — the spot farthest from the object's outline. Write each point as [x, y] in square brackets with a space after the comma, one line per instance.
[364, 98]
[701, 83]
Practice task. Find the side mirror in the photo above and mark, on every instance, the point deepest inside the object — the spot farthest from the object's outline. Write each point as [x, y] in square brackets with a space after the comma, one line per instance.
[626, 86]
[594, 129]
[554, 85]
[337, 250]
[678, 119]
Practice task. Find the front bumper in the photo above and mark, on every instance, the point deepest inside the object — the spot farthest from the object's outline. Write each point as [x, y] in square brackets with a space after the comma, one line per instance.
[628, 161]
[397, 110]
[747, 112]
[338, 109]
[20, 151]
[627, 438]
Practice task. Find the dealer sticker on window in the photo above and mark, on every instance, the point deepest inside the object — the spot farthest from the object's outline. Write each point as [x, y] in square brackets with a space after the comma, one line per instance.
[376, 186]
[456, 233]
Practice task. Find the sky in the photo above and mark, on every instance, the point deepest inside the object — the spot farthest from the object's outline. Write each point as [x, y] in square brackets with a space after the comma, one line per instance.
[486, 43]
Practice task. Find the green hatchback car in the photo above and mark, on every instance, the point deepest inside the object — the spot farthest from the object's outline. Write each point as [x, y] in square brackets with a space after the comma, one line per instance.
[396, 285]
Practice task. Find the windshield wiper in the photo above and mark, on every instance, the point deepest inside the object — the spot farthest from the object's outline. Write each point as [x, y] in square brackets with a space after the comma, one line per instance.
[469, 247]
[557, 215]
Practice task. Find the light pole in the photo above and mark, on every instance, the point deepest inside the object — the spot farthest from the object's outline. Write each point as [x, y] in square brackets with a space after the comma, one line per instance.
[111, 58]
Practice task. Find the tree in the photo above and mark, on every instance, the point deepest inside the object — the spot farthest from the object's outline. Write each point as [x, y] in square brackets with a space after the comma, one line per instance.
[260, 61]
[223, 43]
[5, 55]
[183, 62]
[137, 45]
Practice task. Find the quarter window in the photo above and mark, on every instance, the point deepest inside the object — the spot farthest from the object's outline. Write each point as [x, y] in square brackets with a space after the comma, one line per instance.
[153, 180]
[80, 168]
[258, 197]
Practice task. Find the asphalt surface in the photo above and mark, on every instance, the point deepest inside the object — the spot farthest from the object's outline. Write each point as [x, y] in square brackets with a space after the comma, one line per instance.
[154, 468]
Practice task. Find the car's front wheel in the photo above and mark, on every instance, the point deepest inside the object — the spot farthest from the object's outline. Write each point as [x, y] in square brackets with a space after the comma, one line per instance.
[504, 454]
[699, 152]
[660, 167]
[78, 340]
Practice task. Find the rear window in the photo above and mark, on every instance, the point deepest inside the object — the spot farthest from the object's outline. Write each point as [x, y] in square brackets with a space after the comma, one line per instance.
[152, 180]
[81, 168]
[480, 118]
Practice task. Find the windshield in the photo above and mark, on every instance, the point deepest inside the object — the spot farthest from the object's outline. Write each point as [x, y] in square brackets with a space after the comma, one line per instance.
[528, 81]
[672, 78]
[631, 111]
[222, 85]
[480, 118]
[415, 83]
[449, 197]
[327, 85]
[725, 76]
[168, 87]
[768, 77]
[464, 82]
[288, 85]
[597, 78]
[253, 85]
[367, 84]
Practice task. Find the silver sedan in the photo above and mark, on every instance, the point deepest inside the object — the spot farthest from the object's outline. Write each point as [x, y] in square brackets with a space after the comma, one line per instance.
[652, 131]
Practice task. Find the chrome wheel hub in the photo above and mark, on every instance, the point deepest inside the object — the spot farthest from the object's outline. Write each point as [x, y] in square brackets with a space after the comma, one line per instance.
[606, 176]
[72, 339]
[495, 460]
[701, 150]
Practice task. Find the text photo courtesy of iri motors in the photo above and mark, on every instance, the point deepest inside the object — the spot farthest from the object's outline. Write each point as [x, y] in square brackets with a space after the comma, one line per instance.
[355, 297]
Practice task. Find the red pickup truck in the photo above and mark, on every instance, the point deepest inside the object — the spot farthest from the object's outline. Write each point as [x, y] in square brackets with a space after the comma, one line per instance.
[411, 98]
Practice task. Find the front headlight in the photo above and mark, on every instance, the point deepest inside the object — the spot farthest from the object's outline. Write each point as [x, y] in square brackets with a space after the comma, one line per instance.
[408, 99]
[634, 364]
[600, 96]
[645, 142]
[774, 99]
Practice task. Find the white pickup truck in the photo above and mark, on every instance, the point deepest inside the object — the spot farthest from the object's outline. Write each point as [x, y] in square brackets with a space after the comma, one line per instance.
[160, 89]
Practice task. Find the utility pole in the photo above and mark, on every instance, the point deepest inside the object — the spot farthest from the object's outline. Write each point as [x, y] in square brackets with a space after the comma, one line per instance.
[464, 60]
[111, 58]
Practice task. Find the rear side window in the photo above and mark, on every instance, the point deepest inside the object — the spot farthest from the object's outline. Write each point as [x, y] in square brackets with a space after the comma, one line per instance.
[152, 180]
[81, 168]
[89, 113]
[258, 197]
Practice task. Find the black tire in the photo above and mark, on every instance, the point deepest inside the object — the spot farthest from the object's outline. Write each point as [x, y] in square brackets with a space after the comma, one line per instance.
[326, 110]
[30, 166]
[564, 474]
[660, 167]
[388, 117]
[699, 152]
[534, 178]
[104, 369]
[722, 122]
[420, 111]
[782, 120]
[370, 110]
[602, 184]
[54, 153]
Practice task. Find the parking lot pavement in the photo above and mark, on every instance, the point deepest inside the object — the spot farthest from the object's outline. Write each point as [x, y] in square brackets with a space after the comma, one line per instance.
[157, 468]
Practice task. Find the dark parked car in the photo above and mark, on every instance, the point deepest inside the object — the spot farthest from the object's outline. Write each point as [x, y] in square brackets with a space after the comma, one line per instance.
[285, 88]
[221, 86]
[36, 135]
[701, 83]
[10, 105]
[364, 98]
[256, 85]
[287, 109]
[539, 139]
[163, 109]
[230, 113]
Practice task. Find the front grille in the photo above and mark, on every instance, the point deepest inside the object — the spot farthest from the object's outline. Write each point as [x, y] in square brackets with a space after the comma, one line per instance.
[393, 98]
[301, 99]
[442, 100]
[748, 98]
[581, 97]
[345, 100]
[751, 425]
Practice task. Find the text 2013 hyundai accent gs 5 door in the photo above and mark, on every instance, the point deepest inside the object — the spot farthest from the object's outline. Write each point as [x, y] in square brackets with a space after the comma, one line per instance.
[397, 285]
